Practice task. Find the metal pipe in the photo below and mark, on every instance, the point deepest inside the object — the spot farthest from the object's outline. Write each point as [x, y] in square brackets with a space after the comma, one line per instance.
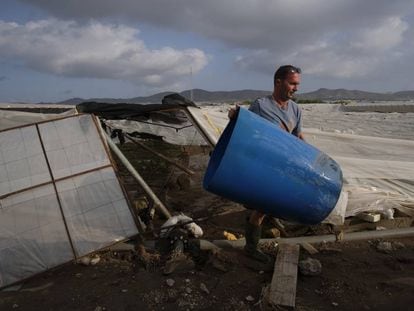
[158, 204]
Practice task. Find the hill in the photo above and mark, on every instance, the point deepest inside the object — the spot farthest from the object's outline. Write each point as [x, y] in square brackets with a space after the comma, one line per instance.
[338, 94]
[200, 95]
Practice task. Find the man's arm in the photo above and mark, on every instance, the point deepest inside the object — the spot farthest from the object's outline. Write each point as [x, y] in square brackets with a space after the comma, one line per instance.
[301, 136]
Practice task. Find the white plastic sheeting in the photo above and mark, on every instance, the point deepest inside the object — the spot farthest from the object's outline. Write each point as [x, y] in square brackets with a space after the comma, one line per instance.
[72, 146]
[48, 217]
[95, 210]
[32, 234]
[378, 172]
[11, 118]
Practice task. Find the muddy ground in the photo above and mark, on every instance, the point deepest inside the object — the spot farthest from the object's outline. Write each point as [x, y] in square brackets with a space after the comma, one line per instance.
[358, 275]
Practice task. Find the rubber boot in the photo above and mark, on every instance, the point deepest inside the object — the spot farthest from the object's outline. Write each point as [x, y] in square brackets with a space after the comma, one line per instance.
[252, 235]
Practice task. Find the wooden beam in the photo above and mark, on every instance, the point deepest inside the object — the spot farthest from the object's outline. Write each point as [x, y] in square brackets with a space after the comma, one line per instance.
[282, 291]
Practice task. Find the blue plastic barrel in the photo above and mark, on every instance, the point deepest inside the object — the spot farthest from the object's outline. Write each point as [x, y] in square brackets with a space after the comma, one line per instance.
[258, 164]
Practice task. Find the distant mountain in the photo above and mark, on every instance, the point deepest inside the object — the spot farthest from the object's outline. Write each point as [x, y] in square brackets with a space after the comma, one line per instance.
[343, 94]
[337, 94]
[200, 95]
[404, 95]
[225, 96]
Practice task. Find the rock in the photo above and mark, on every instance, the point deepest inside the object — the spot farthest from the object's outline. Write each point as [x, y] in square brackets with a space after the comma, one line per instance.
[170, 282]
[272, 233]
[398, 245]
[310, 267]
[85, 261]
[249, 298]
[204, 288]
[384, 247]
[388, 213]
[95, 260]
[188, 290]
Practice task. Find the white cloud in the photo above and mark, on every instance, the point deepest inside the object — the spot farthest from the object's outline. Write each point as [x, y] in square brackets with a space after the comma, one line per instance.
[342, 53]
[96, 50]
[384, 36]
[341, 39]
[247, 23]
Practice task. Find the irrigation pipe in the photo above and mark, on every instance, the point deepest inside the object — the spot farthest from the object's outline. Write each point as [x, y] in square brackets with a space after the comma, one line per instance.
[352, 236]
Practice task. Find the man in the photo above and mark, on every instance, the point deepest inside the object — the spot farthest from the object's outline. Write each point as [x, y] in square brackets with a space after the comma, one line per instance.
[278, 108]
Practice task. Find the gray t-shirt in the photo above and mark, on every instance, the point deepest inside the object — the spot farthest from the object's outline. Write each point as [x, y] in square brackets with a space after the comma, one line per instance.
[289, 119]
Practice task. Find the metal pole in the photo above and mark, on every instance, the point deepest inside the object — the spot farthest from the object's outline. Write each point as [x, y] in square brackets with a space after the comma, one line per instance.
[158, 204]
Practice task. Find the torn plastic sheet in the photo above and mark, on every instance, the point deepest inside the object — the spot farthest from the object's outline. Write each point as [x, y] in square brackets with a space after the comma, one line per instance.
[59, 197]
[376, 200]
[183, 134]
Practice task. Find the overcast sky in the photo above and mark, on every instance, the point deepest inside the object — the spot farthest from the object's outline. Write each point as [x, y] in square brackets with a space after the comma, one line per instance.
[54, 50]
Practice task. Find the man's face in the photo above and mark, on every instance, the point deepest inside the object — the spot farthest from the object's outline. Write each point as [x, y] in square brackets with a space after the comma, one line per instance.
[289, 86]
